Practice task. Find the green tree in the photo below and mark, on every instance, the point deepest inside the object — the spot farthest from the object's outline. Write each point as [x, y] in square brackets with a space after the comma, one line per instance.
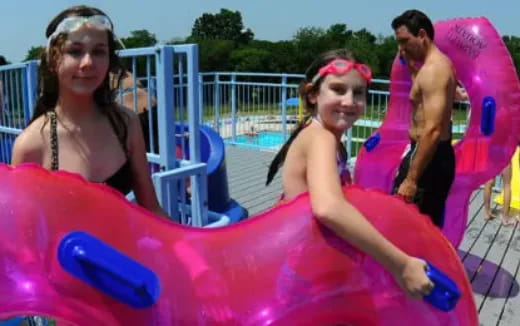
[34, 53]
[364, 35]
[138, 39]
[283, 54]
[309, 42]
[513, 45]
[365, 52]
[251, 59]
[338, 35]
[225, 25]
[215, 55]
[386, 50]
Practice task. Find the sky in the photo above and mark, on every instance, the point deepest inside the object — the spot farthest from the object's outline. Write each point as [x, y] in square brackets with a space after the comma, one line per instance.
[23, 22]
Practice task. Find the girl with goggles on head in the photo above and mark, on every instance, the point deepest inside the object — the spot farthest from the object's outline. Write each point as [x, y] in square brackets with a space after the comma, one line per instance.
[334, 94]
[77, 125]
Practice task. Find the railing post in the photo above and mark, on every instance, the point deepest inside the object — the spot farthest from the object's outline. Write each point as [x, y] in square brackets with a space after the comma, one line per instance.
[31, 76]
[199, 200]
[166, 128]
[349, 144]
[201, 99]
[164, 65]
[216, 102]
[234, 118]
[284, 106]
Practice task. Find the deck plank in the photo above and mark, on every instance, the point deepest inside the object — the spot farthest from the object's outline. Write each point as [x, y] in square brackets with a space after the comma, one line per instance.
[498, 279]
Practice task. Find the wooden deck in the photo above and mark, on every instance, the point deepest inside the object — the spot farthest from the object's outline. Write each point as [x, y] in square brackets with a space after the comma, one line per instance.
[490, 251]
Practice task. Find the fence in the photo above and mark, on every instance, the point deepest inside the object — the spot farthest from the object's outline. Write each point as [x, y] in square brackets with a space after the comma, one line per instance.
[259, 110]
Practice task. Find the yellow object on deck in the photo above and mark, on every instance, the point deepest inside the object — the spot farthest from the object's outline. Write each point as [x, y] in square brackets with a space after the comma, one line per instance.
[515, 185]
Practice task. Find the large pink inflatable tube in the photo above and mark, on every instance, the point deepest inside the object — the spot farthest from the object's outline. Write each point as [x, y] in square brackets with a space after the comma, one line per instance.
[484, 66]
[279, 268]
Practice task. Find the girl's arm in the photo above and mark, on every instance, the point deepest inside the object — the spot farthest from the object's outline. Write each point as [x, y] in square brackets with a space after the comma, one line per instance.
[330, 208]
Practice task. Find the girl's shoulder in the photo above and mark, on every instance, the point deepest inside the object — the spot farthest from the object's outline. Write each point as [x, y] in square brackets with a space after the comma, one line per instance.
[126, 115]
[37, 129]
[30, 143]
[130, 117]
[315, 136]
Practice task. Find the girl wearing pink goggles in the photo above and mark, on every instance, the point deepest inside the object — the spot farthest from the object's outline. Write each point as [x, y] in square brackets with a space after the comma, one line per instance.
[334, 94]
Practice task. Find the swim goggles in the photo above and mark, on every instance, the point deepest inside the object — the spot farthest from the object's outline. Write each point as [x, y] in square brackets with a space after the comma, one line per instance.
[73, 23]
[341, 66]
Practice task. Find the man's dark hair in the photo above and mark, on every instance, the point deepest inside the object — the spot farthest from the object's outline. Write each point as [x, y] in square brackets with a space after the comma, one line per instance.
[2, 60]
[414, 20]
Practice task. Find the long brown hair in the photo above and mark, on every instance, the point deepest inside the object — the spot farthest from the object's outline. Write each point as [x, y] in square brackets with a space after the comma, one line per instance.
[310, 108]
[104, 95]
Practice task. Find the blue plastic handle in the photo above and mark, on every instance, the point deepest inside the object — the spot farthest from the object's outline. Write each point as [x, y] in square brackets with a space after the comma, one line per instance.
[108, 270]
[445, 293]
[372, 141]
[487, 120]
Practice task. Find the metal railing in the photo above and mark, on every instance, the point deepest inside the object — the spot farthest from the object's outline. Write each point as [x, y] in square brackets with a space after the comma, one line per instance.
[259, 110]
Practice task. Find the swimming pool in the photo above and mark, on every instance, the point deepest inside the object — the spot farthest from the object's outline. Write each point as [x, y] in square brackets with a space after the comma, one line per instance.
[264, 140]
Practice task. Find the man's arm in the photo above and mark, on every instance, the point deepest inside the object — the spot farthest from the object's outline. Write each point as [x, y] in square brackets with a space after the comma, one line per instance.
[435, 88]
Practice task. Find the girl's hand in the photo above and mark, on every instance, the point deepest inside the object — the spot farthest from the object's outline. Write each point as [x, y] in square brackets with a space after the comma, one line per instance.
[413, 280]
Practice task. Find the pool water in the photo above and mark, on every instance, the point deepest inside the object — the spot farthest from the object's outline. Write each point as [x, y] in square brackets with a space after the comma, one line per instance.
[264, 140]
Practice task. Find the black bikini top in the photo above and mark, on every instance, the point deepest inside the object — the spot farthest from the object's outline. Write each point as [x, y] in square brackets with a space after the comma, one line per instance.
[121, 180]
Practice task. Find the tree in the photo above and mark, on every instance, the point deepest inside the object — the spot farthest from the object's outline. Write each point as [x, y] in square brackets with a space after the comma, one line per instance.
[34, 53]
[138, 39]
[362, 42]
[365, 52]
[251, 59]
[386, 51]
[309, 42]
[215, 55]
[513, 45]
[225, 25]
[283, 54]
[364, 35]
[338, 35]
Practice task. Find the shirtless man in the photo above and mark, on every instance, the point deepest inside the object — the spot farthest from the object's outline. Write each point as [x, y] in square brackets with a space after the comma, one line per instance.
[428, 168]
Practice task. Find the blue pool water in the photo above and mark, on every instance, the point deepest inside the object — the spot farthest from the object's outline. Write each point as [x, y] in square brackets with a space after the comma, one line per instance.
[264, 140]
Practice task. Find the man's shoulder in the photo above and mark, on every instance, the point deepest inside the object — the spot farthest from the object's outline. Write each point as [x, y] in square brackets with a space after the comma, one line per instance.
[439, 64]
[437, 71]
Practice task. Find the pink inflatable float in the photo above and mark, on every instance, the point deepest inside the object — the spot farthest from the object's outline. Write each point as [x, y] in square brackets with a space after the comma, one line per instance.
[279, 268]
[484, 66]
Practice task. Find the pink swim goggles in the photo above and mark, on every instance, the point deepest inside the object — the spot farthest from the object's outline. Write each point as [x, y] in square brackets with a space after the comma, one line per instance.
[341, 66]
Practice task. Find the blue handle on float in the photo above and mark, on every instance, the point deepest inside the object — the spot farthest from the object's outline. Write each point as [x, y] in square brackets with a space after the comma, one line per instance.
[402, 60]
[445, 293]
[372, 141]
[487, 122]
[106, 269]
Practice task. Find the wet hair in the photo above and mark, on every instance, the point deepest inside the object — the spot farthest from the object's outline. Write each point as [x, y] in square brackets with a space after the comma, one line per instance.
[309, 107]
[2, 60]
[414, 20]
[104, 95]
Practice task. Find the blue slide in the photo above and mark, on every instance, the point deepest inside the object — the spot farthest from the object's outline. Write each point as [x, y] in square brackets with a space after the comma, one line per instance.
[213, 153]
